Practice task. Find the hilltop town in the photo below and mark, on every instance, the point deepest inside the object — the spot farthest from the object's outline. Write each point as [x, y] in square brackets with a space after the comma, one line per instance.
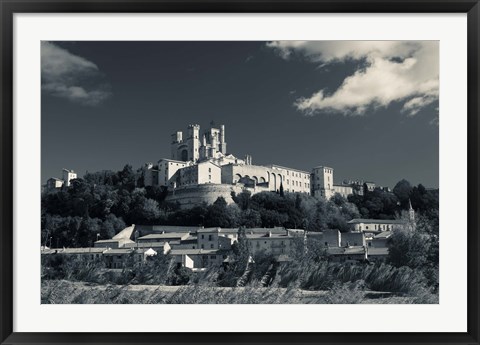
[204, 208]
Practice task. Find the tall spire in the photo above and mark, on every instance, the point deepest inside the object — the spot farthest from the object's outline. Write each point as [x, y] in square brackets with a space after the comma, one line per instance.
[411, 211]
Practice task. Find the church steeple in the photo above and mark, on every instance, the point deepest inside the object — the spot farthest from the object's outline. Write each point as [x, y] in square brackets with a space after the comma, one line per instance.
[411, 211]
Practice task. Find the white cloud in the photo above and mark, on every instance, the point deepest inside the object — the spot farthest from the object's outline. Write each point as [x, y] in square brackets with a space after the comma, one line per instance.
[395, 71]
[70, 76]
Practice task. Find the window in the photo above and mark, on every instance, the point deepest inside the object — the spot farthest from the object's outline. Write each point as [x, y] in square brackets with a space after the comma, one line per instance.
[209, 237]
[209, 169]
[211, 246]
[202, 246]
[213, 257]
[203, 237]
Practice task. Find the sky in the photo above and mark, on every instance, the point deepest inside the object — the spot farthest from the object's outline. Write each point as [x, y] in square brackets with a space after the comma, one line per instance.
[368, 109]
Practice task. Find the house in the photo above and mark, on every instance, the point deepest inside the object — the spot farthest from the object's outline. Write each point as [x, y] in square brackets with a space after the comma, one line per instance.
[199, 258]
[216, 238]
[164, 237]
[88, 253]
[346, 254]
[116, 258]
[375, 226]
[159, 247]
[269, 243]
[189, 243]
[54, 183]
[377, 254]
[348, 239]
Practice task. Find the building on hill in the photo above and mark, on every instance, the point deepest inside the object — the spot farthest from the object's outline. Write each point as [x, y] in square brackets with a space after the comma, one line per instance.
[197, 147]
[322, 182]
[201, 173]
[150, 174]
[167, 168]
[67, 176]
[56, 183]
[343, 190]
[376, 226]
[200, 159]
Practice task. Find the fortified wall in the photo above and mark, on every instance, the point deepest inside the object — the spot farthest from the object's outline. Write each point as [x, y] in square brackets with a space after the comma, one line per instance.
[194, 195]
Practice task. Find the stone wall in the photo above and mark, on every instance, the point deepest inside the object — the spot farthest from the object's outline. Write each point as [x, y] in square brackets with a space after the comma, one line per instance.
[191, 196]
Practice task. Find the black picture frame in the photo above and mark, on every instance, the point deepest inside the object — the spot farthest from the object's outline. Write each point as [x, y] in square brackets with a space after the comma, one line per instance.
[9, 8]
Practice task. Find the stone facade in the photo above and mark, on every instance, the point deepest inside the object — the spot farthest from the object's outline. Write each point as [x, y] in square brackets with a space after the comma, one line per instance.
[202, 158]
[322, 182]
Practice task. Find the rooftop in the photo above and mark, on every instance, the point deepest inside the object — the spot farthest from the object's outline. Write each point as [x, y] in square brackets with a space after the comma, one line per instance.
[377, 221]
[384, 234]
[165, 228]
[265, 236]
[285, 168]
[125, 233]
[193, 251]
[174, 235]
[81, 250]
[217, 229]
[145, 245]
[345, 251]
[120, 251]
[171, 160]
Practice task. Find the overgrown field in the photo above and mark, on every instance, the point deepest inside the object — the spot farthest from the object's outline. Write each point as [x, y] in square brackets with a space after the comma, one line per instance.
[67, 292]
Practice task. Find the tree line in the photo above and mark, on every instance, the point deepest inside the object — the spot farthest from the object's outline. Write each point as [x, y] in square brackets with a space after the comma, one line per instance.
[101, 204]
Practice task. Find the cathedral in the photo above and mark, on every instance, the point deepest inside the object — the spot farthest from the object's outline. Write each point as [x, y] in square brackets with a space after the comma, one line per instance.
[200, 169]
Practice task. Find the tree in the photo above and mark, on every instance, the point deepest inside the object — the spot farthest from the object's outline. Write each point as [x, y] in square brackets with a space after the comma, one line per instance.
[402, 190]
[250, 218]
[126, 178]
[408, 249]
[217, 214]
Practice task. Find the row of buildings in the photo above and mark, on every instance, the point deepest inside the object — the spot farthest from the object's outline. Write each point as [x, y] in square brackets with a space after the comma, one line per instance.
[200, 169]
[197, 247]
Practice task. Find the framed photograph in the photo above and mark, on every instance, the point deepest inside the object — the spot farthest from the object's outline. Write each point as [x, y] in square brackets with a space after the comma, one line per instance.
[239, 172]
